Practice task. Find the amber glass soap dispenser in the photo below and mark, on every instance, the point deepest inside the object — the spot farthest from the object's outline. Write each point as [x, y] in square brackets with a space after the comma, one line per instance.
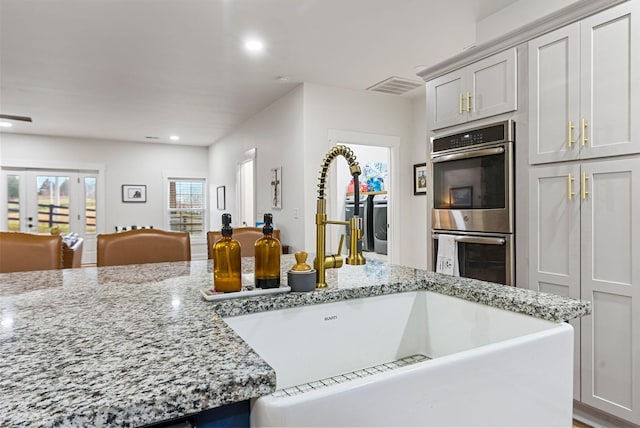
[227, 268]
[267, 257]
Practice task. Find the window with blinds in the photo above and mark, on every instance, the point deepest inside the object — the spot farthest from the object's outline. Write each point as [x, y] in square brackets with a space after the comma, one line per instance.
[187, 211]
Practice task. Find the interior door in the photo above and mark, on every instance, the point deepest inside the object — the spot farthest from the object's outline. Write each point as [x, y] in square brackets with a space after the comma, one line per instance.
[246, 208]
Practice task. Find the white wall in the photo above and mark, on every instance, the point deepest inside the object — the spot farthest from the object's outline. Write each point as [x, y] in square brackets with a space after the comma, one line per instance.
[414, 213]
[516, 15]
[276, 134]
[123, 162]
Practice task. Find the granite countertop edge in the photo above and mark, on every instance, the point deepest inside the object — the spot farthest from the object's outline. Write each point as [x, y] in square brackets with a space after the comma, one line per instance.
[542, 305]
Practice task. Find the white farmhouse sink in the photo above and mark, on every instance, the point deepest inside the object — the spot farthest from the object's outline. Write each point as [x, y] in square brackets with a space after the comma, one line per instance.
[477, 365]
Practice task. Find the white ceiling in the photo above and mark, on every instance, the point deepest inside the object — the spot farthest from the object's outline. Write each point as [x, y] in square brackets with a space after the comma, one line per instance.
[127, 69]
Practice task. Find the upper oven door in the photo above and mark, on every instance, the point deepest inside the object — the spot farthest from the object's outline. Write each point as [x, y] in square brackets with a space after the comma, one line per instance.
[472, 189]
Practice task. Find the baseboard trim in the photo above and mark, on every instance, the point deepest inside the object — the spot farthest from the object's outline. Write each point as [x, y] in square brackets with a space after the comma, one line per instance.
[598, 419]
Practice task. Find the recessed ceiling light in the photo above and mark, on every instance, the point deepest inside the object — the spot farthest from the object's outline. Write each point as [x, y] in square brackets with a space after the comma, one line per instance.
[254, 45]
[174, 138]
[5, 125]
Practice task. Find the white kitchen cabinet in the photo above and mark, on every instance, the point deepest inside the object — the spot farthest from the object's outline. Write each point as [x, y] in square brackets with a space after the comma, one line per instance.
[610, 278]
[584, 237]
[554, 254]
[584, 88]
[482, 89]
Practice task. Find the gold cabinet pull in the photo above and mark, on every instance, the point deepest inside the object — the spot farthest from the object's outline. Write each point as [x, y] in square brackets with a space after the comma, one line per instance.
[460, 104]
[584, 185]
[468, 101]
[570, 137]
[584, 132]
[570, 180]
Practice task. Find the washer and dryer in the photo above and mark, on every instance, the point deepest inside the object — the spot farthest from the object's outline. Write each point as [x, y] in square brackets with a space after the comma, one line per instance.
[366, 212]
[380, 224]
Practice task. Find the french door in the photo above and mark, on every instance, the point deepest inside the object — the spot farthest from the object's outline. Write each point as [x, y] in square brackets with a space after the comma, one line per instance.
[39, 201]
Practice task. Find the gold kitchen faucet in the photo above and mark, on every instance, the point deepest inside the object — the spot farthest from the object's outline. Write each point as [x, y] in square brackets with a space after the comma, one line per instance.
[322, 261]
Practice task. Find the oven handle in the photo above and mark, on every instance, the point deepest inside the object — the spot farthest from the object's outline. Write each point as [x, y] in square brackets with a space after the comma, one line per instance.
[469, 154]
[476, 240]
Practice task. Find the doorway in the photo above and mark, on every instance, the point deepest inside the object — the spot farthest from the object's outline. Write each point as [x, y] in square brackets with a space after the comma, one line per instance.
[376, 155]
[246, 194]
[42, 201]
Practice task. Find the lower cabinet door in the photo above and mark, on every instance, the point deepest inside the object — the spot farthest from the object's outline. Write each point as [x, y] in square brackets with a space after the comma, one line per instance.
[585, 243]
[554, 242]
[610, 279]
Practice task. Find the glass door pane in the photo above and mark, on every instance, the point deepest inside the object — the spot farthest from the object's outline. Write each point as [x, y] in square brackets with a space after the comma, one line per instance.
[480, 261]
[474, 183]
[53, 204]
[484, 262]
[13, 203]
[88, 216]
[90, 206]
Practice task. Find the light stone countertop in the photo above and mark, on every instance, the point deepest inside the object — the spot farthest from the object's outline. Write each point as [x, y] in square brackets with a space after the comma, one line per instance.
[132, 345]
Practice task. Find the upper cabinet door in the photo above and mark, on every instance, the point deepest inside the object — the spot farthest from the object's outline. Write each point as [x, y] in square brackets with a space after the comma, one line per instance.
[482, 89]
[554, 95]
[445, 100]
[492, 84]
[583, 87]
[610, 78]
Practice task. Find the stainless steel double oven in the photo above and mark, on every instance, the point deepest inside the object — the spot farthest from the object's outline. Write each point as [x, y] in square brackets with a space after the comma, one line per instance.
[473, 199]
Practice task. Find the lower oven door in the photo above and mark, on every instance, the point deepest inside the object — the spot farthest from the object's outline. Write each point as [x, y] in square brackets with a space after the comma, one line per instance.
[483, 256]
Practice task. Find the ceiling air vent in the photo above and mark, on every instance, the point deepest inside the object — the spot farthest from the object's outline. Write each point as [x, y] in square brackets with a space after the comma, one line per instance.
[395, 86]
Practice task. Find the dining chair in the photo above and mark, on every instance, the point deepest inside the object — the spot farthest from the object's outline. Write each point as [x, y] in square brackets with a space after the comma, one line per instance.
[143, 246]
[20, 252]
[246, 236]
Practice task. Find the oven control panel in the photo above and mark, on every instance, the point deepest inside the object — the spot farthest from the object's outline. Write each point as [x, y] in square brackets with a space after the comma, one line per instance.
[496, 133]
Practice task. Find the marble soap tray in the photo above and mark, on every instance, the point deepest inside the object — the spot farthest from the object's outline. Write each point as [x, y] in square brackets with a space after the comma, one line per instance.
[209, 294]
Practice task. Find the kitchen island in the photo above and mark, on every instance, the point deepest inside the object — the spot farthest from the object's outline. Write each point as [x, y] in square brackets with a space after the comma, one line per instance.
[135, 345]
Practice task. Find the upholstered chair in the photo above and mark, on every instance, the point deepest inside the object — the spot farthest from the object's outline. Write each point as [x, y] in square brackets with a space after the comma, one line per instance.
[143, 246]
[21, 252]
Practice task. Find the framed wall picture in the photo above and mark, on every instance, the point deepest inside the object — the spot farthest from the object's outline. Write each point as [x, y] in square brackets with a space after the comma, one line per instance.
[220, 198]
[420, 179]
[276, 188]
[134, 193]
